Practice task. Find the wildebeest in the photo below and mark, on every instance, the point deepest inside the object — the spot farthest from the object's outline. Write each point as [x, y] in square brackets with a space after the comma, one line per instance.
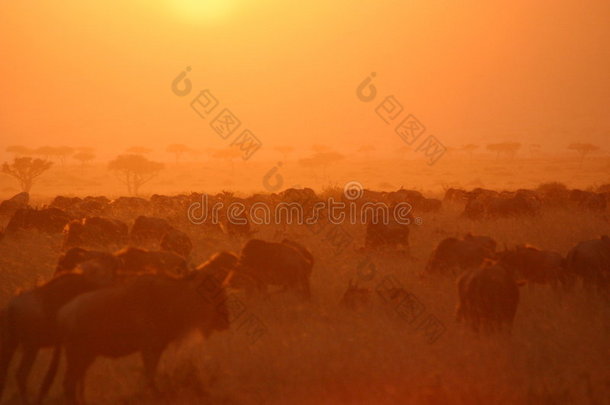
[488, 297]
[28, 322]
[275, 264]
[535, 265]
[48, 220]
[147, 230]
[453, 254]
[74, 257]
[95, 232]
[493, 205]
[392, 234]
[144, 315]
[18, 201]
[136, 261]
[178, 242]
[590, 261]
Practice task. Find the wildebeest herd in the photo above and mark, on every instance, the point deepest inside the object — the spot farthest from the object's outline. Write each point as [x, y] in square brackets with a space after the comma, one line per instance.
[126, 280]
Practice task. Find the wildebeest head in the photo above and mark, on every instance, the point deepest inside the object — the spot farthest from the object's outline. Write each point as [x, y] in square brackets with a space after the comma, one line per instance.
[212, 290]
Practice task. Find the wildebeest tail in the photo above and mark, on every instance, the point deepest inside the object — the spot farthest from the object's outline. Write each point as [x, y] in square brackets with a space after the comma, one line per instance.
[50, 376]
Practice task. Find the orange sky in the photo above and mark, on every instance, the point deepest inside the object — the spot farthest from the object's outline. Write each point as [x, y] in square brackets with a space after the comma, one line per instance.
[98, 73]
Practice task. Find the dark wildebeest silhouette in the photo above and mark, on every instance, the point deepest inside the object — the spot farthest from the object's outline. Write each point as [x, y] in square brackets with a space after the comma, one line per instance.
[452, 253]
[143, 315]
[47, 220]
[590, 261]
[136, 261]
[488, 297]
[28, 321]
[285, 264]
[95, 232]
[73, 258]
[178, 242]
[147, 231]
[535, 265]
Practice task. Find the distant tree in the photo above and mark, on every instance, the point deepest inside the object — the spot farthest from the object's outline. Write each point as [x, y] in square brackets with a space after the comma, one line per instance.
[84, 157]
[583, 149]
[508, 148]
[177, 150]
[87, 149]
[366, 150]
[26, 170]
[322, 160]
[134, 171]
[138, 150]
[45, 152]
[62, 152]
[535, 149]
[229, 155]
[284, 150]
[19, 150]
[470, 148]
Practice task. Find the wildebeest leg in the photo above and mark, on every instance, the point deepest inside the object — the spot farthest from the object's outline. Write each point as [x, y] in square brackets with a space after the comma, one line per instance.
[7, 350]
[74, 382]
[50, 376]
[25, 366]
[150, 358]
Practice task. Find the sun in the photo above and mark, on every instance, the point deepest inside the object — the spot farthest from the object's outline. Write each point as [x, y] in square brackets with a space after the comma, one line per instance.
[202, 9]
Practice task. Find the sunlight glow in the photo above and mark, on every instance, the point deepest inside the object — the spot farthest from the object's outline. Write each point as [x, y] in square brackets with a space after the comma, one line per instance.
[197, 10]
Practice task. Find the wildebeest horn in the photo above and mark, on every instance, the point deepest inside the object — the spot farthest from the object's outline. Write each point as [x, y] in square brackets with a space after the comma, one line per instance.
[227, 280]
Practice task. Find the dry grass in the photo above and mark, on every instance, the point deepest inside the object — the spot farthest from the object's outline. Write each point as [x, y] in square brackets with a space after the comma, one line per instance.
[558, 353]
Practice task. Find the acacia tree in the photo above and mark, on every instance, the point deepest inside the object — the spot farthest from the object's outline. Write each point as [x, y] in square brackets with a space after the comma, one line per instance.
[229, 155]
[18, 150]
[322, 159]
[177, 150]
[470, 148]
[62, 152]
[26, 170]
[583, 149]
[508, 148]
[134, 171]
[84, 157]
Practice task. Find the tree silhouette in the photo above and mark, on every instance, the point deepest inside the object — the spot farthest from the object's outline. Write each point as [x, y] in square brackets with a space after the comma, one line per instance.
[322, 159]
[508, 148]
[19, 150]
[177, 150]
[470, 148]
[138, 150]
[228, 154]
[583, 149]
[84, 157]
[62, 152]
[26, 170]
[45, 151]
[134, 171]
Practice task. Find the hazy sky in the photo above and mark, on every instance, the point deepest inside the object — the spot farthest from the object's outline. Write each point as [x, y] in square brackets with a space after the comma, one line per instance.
[98, 73]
